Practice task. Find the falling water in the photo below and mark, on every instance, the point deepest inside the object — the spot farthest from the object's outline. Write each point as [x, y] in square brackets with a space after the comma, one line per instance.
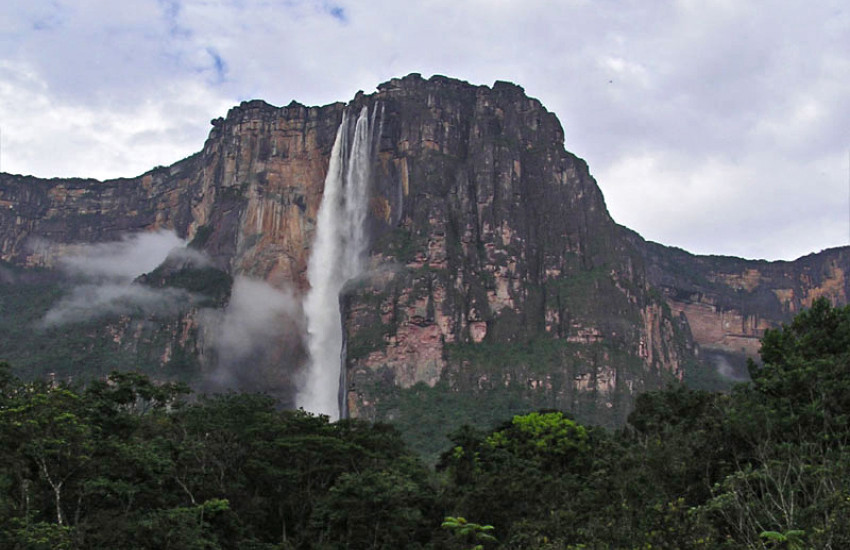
[338, 256]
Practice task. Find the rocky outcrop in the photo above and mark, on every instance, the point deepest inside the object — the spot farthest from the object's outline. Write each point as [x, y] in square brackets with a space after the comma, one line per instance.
[497, 279]
[248, 200]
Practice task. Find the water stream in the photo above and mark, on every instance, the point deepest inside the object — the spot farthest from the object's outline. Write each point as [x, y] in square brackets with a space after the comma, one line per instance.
[338, 256]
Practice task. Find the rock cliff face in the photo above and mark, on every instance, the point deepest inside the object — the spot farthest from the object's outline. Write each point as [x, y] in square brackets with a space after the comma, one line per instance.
[248, 200]
[250, 197]
[729, 302]
[497, 283]
[497, 272]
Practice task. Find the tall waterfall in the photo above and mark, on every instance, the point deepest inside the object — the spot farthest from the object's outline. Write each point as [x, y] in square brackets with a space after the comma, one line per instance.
[338, 255]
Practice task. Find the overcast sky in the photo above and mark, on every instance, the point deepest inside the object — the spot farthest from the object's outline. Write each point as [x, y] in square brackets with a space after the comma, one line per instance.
[719, 126]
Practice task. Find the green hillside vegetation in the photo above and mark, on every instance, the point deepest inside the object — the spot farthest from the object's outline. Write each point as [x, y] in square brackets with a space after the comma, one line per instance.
[127, 340]
[127, 463]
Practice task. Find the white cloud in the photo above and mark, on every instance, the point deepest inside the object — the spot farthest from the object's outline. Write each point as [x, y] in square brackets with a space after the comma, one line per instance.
[720, 206]
[720, 88]
[123, 260]
[87, 302]
[105, 273]
[54, 137]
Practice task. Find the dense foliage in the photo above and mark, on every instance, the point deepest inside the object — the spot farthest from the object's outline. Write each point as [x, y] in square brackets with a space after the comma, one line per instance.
[126, 463]
[129, 464]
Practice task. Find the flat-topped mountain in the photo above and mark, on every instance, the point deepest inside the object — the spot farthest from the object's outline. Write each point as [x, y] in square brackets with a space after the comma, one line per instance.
[494, 280]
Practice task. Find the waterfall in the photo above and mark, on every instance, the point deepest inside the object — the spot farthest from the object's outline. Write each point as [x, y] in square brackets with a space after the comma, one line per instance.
[338, 255]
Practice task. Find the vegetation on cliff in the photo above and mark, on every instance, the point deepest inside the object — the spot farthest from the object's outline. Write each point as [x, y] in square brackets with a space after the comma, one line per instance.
[127, 463]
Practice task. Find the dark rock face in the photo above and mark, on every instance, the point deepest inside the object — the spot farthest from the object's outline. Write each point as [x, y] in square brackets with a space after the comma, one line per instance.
[498, 273]
[498, 280]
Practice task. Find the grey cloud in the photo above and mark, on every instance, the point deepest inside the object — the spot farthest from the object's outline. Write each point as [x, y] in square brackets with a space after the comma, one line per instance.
[745, 86]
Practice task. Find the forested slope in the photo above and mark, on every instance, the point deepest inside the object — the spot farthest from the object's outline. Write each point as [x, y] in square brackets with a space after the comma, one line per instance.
[126, 463]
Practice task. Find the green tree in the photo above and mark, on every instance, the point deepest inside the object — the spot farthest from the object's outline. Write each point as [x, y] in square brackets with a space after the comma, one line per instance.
[794, 474]
[374, 509]
[547, 437]
[802, 388]
[469, 533]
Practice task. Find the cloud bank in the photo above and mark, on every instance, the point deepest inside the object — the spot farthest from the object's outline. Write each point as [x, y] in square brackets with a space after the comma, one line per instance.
[716, 126]
[104, 276]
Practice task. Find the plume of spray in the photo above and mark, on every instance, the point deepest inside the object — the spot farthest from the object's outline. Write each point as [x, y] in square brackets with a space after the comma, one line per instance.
[727, 370]
[260, 328]
[338, 256]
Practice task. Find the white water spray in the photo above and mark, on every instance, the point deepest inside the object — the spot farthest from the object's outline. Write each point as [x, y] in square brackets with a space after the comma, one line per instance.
[338, 255]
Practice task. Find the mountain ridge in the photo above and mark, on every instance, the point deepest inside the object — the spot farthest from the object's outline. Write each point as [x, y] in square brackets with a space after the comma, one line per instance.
[490, 241]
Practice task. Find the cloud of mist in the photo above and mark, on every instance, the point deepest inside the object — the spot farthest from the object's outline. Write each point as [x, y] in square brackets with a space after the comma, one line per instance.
[260, 329]
[253, 317]
[87, 302]
[727, 370]
[104, 275]
[122, 260]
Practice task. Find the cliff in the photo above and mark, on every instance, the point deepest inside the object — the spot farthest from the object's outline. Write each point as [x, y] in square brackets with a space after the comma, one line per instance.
[497, 280]
[729, 302]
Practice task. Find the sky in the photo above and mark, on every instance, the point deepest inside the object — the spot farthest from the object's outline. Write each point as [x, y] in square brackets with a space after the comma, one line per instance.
[717, 126]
